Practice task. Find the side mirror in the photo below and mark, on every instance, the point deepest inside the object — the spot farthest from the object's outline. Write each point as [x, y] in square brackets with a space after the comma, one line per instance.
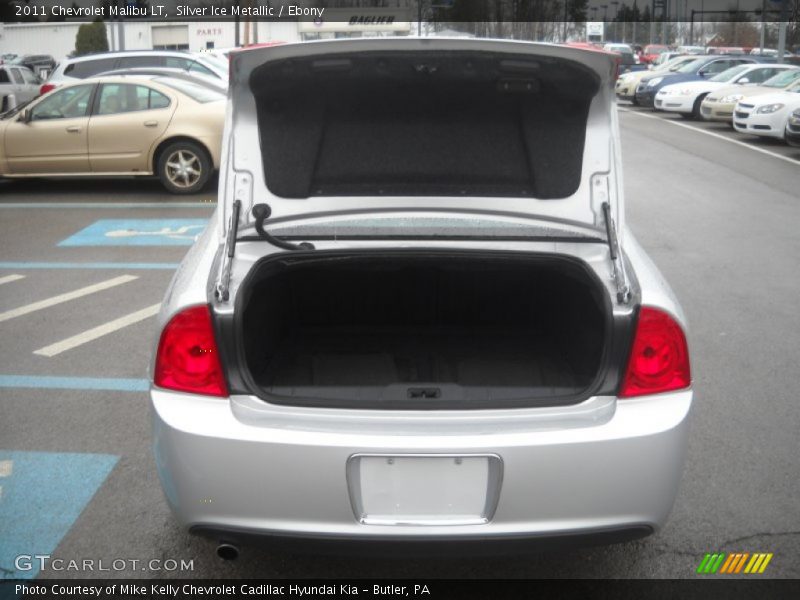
[25, 116]
[743, 80]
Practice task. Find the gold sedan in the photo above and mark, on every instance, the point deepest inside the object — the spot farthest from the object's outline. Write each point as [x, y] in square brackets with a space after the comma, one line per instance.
[138, 125]
[719, 105]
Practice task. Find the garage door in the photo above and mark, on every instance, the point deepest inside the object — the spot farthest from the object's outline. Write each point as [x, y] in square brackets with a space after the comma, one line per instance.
[171, 37]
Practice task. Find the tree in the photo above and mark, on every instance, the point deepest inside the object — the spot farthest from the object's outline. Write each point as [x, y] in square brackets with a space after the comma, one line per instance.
[91, 38]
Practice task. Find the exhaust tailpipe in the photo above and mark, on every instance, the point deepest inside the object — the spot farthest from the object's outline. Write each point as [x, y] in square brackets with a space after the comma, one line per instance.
[227, 551]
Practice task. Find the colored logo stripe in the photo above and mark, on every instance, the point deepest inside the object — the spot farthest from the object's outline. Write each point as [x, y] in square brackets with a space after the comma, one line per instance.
[711, 563]
[733, 563]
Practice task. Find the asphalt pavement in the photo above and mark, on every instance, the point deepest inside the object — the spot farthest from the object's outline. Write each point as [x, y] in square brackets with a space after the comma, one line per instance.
[77, 478]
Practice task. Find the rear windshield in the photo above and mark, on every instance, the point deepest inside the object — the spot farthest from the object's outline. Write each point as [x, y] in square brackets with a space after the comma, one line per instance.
[414, 123]
[87, 68]
[196, 92]
[782, 79]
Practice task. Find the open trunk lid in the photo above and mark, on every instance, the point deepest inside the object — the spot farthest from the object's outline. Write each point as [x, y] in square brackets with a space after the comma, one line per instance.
[387, 125]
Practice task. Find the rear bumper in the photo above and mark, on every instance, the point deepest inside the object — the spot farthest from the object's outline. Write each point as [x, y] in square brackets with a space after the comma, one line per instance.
[228, 468]
[421, 546]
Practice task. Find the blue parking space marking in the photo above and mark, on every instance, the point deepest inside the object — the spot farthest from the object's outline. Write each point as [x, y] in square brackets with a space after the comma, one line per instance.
[43, 494]
[126, 266]
[107, 384]
[138, 232]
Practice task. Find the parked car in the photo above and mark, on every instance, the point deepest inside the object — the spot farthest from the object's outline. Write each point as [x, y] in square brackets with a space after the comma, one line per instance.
[191, 76]
[16, 82]
[692, 49]
[118, 126]
[81, 67]
[703, 67]
[376, 336]
[629, 62]
[719, 105]
[625, 87]
[653, 51]
[41, 64]
[792, 132]
[734, 50]
[685, 98]
[766, 115]
[664, 57]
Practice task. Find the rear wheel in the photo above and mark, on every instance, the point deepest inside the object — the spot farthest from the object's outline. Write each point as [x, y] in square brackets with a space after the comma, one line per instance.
[184, 168]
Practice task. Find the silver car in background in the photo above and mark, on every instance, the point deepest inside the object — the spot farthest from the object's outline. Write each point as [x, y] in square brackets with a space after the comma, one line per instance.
[418, 313]
[18, 85]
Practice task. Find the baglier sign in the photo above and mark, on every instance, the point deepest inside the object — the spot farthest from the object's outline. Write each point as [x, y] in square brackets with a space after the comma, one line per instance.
[352, 20]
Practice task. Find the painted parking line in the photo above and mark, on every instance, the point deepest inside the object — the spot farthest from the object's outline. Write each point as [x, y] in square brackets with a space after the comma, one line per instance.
[89, 265]
[98, 332]
[10, 278]
[712, 134]
[138, 232]
[44, 494]
[47, 382]
[61, 298]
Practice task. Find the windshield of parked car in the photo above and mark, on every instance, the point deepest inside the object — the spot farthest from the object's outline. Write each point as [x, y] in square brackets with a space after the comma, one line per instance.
[220, 63]
[693, 66]
[196, 92]
[676, 63]
[781, 80]
[729, 74]
[794, 88]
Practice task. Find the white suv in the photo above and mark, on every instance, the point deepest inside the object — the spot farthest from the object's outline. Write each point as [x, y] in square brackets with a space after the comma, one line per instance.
[82, 67]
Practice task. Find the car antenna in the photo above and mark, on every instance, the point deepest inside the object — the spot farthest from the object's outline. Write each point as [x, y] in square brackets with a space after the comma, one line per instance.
[262, 212]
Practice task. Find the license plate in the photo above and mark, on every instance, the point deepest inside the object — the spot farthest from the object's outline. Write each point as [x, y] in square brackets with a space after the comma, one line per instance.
[424, 489]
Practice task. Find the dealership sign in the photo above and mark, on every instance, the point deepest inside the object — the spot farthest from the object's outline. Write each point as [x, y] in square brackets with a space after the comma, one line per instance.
[352, 20]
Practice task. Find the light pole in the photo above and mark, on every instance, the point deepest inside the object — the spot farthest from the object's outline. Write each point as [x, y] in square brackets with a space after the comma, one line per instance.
[615, 4]
[605, 15]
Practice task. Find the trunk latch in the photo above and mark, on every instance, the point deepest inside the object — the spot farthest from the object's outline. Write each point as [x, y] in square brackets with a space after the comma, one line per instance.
[617, 262]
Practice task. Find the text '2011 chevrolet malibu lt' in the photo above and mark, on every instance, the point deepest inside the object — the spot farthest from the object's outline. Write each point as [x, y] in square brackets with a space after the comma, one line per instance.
[418, 313]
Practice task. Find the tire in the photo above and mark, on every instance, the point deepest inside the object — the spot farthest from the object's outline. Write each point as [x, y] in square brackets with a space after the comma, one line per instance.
[184, 167]
[687, 116]
[634, 101]
[696, 108]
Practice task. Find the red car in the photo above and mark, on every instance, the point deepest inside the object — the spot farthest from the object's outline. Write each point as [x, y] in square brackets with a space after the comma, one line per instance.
[652, 52]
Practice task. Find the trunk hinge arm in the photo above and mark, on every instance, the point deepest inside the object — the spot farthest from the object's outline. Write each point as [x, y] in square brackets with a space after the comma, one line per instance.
[617, 261]
[221, 289]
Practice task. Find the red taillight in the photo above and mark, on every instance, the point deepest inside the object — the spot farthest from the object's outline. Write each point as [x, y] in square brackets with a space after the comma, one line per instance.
[187, 358]
[659, 360]
[47, 87]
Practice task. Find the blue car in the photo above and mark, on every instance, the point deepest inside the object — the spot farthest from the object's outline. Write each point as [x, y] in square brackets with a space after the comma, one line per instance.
[702, 68]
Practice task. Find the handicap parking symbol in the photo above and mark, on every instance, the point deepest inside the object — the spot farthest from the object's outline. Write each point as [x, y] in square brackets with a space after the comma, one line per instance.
[41, 495]
[138, 232]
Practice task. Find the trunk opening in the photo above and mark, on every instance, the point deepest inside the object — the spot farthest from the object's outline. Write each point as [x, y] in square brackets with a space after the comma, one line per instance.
[433, 330]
